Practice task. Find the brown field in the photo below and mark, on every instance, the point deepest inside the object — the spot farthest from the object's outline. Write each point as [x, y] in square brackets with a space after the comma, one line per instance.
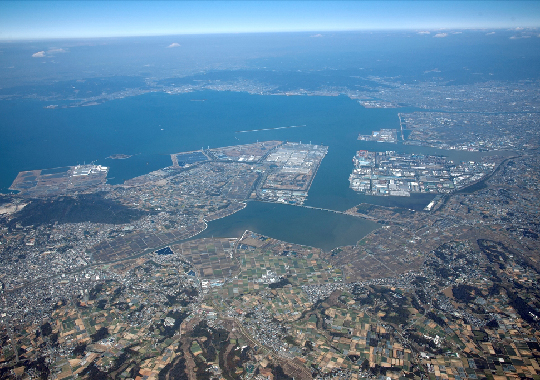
[211, 257]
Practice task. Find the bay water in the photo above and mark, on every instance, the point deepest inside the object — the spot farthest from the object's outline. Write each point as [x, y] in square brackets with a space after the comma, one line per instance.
[152, 126]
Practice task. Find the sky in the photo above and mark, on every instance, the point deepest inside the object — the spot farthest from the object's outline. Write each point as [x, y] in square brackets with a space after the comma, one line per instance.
[20, 20]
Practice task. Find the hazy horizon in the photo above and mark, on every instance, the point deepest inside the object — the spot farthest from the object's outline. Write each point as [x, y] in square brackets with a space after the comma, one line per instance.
[38, 20]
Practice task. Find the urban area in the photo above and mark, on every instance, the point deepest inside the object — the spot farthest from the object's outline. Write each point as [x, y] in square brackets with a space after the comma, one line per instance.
[101, 281]
[400, 174]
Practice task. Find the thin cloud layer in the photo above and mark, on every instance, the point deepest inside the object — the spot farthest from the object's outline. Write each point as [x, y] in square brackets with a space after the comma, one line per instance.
[317, 35]
[39, 54]
[441, 35]
[424, 32]
[173, 45]
[56, 50]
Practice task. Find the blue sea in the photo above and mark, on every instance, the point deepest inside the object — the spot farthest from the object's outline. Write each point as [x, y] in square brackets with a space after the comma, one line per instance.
[152, 126]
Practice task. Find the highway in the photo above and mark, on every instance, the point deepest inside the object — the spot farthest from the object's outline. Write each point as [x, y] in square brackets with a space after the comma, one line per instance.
[340, 212]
